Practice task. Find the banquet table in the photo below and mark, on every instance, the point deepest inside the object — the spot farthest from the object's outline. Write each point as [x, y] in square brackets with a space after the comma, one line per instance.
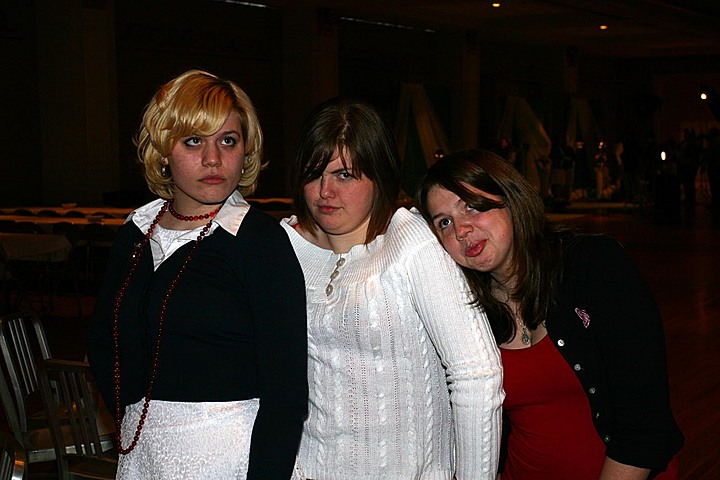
[46, 223]
[268, 203]
[34, 247]
[62, 211]
[16, 248]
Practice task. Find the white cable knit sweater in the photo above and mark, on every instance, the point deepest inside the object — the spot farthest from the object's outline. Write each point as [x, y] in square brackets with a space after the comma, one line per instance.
[381, 404]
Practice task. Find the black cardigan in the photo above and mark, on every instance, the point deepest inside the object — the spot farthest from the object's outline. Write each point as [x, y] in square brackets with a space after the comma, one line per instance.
[620, 356]
[235, 329]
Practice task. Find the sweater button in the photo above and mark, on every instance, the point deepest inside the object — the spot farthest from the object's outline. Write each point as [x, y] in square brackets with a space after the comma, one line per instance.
[561, 343]
[606, 439]
[591, 390]
[577, 367]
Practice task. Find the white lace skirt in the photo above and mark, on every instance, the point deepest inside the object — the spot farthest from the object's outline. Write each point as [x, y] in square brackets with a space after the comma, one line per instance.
[189, 441]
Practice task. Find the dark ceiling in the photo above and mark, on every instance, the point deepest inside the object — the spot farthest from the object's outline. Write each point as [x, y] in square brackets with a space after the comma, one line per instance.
[636, 28]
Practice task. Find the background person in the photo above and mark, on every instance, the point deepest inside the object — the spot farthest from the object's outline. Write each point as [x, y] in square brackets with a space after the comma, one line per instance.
[580, 334]
[198, 339]
[405, 378]
[711, 160]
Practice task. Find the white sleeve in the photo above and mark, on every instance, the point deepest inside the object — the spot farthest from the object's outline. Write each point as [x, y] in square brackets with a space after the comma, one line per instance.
[463, 339]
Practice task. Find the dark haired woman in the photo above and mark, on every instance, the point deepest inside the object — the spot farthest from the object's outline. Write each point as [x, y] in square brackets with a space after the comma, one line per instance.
[580, 334]
[404, 374]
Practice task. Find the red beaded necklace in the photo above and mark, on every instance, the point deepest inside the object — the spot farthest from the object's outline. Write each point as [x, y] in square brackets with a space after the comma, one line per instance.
[191, 218]
[136, 256]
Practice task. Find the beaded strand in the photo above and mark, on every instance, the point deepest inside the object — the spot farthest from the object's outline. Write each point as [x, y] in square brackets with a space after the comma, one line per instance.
[136, 256]
[191, 218]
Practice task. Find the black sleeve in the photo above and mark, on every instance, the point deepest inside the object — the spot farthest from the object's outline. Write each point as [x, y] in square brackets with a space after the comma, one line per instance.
[279, 313]
[100, 350]
[629, 334]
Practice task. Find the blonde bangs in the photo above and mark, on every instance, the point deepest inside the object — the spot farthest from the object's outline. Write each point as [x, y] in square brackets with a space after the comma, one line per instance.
[194, 115]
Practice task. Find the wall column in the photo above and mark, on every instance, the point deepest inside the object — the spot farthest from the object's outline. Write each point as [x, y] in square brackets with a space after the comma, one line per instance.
[78, 100]
[310, 65]
[470, 89]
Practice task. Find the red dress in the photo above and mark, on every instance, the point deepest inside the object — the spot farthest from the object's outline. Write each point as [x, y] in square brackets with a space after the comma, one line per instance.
[552, 435]
[551, 431]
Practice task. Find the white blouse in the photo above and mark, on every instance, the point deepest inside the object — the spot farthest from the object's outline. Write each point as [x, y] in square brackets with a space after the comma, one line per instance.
[405, 377]
[165, 242]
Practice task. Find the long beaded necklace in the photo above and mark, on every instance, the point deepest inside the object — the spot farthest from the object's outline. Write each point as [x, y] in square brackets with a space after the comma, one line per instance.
[136, 256]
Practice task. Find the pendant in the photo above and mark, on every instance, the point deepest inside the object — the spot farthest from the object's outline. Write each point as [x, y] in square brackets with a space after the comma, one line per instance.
[525, 337]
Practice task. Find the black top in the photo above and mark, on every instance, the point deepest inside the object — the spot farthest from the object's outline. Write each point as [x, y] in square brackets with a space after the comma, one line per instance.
[235, 329]
[619, 357]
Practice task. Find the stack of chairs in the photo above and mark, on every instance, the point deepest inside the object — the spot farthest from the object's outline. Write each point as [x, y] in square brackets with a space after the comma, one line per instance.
[12, 458]
[43, 404]
[68, 388]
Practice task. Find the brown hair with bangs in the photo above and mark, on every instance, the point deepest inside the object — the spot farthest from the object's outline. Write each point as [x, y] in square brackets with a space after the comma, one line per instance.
[536, 252]
[354, 130]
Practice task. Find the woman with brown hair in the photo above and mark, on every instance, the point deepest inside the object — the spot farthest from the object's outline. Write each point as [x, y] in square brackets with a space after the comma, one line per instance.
[579, 331]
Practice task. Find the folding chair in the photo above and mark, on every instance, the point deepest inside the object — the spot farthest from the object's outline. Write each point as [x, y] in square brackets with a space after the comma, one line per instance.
[24, 347]
[67, 386]
[23, 344]
[12, 458]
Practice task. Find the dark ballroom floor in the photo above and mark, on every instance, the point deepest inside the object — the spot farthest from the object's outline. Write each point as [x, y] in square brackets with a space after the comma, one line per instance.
[681, 261]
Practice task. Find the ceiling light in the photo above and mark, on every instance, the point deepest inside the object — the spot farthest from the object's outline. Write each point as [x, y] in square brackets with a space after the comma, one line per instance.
[603, 27]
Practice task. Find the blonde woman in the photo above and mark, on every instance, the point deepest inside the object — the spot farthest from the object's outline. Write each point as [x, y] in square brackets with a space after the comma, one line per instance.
[198, 340]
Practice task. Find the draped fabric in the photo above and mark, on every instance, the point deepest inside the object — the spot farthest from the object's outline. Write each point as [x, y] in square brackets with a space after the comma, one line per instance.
[582, 126]
[520, 123]
[582, 123]
[419, 134]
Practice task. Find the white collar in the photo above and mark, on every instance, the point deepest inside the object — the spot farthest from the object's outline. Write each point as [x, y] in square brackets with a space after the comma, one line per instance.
[229, 217]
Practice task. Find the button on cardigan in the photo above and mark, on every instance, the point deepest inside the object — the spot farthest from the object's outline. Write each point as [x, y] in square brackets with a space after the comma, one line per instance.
[607, 321]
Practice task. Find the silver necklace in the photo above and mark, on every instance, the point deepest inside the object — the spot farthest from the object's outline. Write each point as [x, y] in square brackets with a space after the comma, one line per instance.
[525, 337]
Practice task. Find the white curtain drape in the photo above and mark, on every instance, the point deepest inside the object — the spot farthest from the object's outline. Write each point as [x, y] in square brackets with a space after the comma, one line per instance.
[417, 123]
[521, 125]
[583, 126]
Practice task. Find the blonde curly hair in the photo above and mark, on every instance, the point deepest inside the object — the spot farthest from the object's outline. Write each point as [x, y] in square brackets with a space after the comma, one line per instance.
[196, 103]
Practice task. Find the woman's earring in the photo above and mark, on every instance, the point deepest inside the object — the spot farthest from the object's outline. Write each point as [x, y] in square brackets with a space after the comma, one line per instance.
[165, 171]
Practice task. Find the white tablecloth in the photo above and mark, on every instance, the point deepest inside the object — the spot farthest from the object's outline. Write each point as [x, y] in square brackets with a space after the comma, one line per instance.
[34, 247]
